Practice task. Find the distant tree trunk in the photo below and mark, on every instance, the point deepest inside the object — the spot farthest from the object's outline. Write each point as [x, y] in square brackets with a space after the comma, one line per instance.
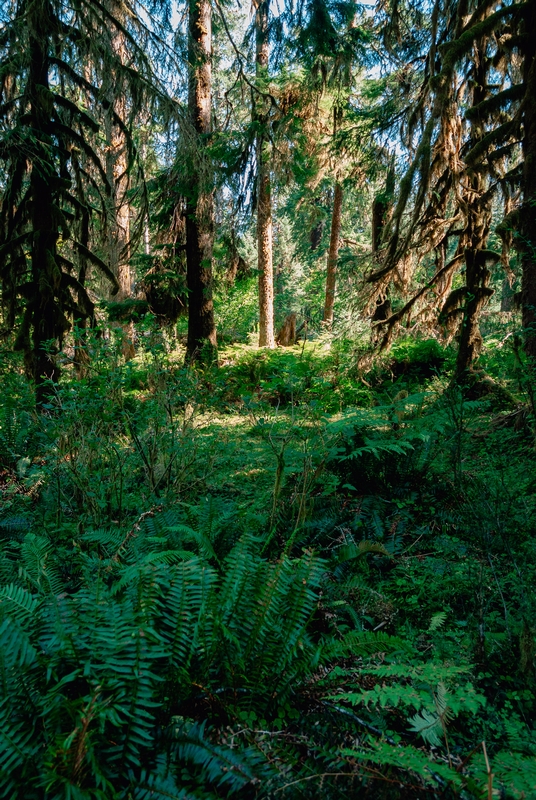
[237, 267]
[333, 254]
[201, 344]
[119, 237]
[264, 192]
[286, 335]
[315, 235]
[81, 358]
[507, 297]
[506, 233]
[146, 228]
[380, 211]
[117, 172]
[527, 226]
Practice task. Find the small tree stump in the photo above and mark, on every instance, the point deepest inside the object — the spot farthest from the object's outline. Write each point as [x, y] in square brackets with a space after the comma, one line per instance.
[286, 336]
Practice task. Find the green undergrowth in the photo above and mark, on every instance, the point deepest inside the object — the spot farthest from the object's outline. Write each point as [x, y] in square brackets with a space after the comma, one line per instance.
[278, 578]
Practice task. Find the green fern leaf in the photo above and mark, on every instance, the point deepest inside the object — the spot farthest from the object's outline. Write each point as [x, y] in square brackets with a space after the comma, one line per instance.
[428, 725]
[437, 621]
[17, 603]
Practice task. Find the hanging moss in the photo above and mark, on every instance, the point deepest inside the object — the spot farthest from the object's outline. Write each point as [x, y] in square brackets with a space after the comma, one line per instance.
[495, 103]
[129, 310]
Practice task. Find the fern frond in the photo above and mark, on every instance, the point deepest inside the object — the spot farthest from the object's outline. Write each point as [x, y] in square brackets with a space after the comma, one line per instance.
[38, 564]
[168, 557]
[428, 725]
[348, 552]
[515, 773]
[200, 538]
[220, 765]
[18, 745]
[185, 610]
[152, 786]
[432, 724]
[361, 643]
[16, 650]
[408, 759]
[378, 447]
[437, 621]
[17, 603]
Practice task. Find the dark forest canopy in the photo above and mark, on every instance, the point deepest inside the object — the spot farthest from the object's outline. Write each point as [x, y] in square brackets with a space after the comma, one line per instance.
[268, 409]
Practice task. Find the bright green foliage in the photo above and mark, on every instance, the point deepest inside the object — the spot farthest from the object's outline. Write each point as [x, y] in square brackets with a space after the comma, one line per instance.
[110, 668]
[206, 593]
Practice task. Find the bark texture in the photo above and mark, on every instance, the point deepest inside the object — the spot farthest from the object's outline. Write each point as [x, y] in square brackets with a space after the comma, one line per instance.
[381, 209]
[46, 276]
[117, 173]
[286, 335]
[81, 357]
[527, 227]
[476, 206]
[201, 345]
[264, 191]
[333, 254]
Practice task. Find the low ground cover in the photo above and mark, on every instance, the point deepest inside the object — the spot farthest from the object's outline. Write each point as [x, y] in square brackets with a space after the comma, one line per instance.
[270, 579]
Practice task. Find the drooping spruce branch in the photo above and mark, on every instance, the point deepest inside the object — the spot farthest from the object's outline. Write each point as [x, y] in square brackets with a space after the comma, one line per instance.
[54, 207]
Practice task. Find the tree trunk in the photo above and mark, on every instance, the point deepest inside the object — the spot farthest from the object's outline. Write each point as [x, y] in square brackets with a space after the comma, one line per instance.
[81, 357]
[474, 239]
[507, 297]
[315, 235]
[286, 335]
[119, 228]
[201, 344]
[381, 208]
[117, 171]
[46, 318]
[478, 293]
[264, 194]
[527, 227]
[333, 254]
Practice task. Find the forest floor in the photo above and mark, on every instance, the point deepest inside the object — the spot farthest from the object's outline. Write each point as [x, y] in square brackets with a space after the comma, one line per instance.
[271, 578]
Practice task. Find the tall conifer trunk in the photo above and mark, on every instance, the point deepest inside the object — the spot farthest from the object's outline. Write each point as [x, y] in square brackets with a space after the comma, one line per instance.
[336, 219]
[81, 358]
[46, 275]
[477, 210]
[117, 172]
[264, 192]
[527, 222]
[201, 343]
[381, 210]
[333, 254]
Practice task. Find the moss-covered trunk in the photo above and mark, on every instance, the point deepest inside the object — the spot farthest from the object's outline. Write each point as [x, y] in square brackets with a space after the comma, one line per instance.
[201, 344]
[43, 314]
[527, 227]
[333, 254]
[476, 207]
[118, 175]
[264, 189]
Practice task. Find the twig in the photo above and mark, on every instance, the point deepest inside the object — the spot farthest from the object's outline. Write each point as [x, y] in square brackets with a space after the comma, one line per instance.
[359, 721]
[490, 773]
[241, 59]
[134, 532]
